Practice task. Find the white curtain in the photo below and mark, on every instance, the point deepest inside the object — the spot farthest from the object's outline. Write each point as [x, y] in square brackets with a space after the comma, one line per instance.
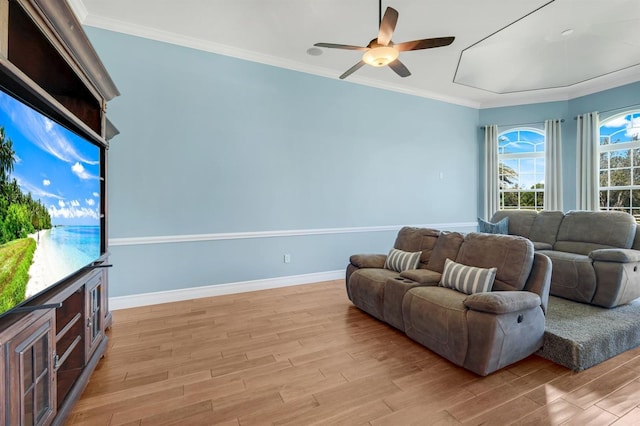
[553, 165]
[491, 201]
[588, 140]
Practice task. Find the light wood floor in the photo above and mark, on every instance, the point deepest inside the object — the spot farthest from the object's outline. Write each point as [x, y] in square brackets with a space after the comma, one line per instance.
[304, 355]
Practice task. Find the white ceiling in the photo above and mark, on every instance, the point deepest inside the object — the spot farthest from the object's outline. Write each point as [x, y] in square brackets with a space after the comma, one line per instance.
[508, 46]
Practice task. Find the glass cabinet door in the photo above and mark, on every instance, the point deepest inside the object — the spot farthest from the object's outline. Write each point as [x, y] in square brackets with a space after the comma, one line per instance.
[94, 314]
[30, 396]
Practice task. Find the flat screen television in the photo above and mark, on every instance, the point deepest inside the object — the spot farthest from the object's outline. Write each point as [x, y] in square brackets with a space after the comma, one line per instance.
[51, 205]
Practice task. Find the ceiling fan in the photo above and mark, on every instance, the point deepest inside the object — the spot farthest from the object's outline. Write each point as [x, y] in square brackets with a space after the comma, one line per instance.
[382, 51]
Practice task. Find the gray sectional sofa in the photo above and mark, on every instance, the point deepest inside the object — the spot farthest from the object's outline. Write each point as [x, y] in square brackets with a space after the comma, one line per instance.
[481, 332]
[594, 257]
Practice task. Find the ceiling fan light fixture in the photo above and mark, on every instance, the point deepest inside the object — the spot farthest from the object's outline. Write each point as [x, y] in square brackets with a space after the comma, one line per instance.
[383, 51]
[380, 56]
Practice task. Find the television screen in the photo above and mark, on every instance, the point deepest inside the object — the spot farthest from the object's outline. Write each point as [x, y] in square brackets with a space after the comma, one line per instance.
[49, 202]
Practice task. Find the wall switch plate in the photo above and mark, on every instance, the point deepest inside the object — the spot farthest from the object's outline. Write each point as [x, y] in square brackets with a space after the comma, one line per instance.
[287, 258]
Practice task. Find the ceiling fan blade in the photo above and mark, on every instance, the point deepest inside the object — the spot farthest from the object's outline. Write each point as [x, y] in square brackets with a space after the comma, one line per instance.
[340, 46]
[426, 43]
[399, 68]
[351, 70]
[387, 26]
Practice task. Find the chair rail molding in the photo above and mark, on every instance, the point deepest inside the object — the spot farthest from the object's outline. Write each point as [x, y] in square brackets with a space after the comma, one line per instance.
[186, 238]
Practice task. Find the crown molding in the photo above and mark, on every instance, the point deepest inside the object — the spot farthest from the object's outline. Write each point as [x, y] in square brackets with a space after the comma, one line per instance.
[79, 9]
[606, 82]
[563, 94]
[220, 49]
[525, 98]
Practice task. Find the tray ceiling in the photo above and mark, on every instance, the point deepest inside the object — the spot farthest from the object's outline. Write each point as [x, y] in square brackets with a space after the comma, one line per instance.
[505, 52]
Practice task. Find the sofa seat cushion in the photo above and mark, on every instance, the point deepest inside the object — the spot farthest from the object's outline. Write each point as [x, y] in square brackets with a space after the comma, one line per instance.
[366, 287]
[436, 318]
[538, 245]
[579, 247]
[572, 276]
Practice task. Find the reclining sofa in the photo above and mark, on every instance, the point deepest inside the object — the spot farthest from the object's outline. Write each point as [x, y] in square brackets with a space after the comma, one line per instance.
[594, 257]
[482, 331]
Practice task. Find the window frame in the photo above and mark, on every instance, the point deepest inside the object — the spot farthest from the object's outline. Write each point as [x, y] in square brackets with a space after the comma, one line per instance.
[633, 147]
[535, 156]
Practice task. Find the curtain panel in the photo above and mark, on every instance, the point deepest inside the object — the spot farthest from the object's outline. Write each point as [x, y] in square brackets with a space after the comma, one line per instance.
[491, 184]
[553, 165]
[587, 170]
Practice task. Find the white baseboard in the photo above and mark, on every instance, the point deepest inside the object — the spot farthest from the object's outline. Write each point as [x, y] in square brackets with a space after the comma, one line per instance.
[144, 299]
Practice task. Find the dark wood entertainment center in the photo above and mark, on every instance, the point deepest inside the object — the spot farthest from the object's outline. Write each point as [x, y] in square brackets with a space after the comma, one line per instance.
[50, 346]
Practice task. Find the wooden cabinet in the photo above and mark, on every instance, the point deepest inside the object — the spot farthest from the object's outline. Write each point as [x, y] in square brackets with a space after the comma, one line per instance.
[28, 358]
[47, 356]
[50, 346]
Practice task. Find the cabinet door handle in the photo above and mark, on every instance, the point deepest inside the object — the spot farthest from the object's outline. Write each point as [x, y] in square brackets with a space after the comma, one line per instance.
[89, 323]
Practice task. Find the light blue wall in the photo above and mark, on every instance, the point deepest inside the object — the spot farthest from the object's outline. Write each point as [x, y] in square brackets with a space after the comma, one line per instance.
[608, 103]
[213, 144]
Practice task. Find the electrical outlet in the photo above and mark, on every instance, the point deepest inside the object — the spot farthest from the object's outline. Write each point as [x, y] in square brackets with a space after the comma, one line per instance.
[287, 258]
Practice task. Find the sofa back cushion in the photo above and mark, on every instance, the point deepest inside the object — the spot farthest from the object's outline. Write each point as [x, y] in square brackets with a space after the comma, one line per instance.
[520, 221]
[512, 256]
[584, 231]
[446, 247]
[414, 239]
[636, 240]
[545, 227]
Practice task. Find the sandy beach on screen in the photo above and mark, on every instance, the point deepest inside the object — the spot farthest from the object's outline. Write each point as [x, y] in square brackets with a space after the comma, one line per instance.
[44, 270]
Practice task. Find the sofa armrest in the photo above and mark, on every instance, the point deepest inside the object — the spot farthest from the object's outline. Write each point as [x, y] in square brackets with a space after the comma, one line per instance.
[615, 255]
[502, 302]
[368, 260]
[422, 276]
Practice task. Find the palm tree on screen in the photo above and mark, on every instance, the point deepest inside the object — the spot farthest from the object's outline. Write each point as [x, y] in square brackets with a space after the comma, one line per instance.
[7, 156]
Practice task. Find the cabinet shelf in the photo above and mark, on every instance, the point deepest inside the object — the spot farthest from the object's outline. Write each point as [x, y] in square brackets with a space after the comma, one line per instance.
[58, 361]
[68, 327]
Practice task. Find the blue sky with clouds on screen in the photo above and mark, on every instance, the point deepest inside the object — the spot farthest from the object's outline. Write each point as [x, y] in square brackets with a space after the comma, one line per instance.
[55, 165]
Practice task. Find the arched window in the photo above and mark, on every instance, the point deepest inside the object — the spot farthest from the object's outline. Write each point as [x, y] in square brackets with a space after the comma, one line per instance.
[521, 169]
[620, 163]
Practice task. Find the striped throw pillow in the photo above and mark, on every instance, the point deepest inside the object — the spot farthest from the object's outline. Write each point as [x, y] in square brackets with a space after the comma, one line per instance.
[467, 279]
[398, 260]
